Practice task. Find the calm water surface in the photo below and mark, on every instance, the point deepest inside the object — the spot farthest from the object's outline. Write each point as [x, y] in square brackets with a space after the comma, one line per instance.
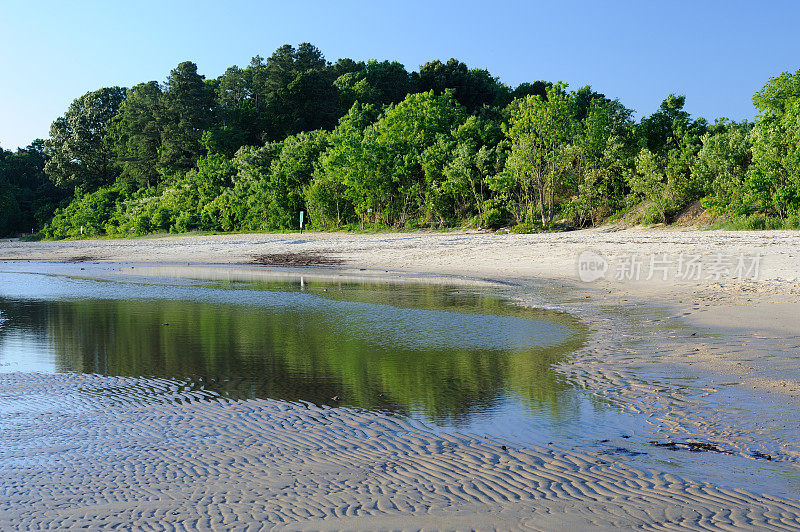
[455, 359]
[449, 357]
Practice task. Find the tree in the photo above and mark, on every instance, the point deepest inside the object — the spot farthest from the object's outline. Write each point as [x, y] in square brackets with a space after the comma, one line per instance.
[238, 98]
[775, 176]
[661, 130]
[391, 81]
[721, 167]
[396, 178]
[78, 150]
[185, 112]
[376, 82]
[471, 88]
[10, 213]
[23, 180]
[476, 155]
[602, 161]
[300, 95]
[541, 135]
[136, 134]
[537, 88]
[334, 190]
[290, 174]
[647, 182]
[672, 138]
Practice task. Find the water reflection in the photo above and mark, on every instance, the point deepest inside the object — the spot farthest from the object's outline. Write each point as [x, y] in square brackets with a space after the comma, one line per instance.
[447, 354]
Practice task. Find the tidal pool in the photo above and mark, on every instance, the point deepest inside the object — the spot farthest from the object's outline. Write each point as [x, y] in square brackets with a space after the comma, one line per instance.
[452, 358]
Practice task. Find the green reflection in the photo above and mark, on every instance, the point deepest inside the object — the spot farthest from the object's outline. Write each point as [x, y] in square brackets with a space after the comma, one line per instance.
[323, 350]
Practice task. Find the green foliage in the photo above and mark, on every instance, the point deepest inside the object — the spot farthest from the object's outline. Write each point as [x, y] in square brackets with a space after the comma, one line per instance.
[542, 134]
[135, 133]
[184, 203]
[377, 83]
[604, 158]
[493, 218]
[90, 211]
[79, 154]
[471, 88]
[722, 165]
[648, 183]
[756, 222]
[27, 197]
[775, 174]
[185, 112]
[389, 171]
[290, 175]
[332, 195]
[10, 212]
[360, 145]
[663, 178]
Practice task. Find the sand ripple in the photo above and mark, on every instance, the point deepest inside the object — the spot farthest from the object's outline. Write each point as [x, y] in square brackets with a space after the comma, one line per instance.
[86, 450]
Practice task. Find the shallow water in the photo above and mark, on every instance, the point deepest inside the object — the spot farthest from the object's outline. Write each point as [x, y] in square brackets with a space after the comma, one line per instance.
[451, 358]
[455, 359]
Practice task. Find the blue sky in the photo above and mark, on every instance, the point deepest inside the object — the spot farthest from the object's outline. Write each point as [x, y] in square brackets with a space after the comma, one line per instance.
[716, 52]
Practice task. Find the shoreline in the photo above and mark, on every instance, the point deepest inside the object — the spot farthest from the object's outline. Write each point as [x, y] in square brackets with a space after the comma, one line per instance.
[767, 307]
[710, 308]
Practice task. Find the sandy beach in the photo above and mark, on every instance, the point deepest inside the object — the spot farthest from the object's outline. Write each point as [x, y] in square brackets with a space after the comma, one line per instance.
[696, 333]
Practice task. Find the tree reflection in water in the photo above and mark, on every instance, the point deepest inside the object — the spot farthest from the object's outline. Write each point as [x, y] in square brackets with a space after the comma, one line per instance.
[445, 352]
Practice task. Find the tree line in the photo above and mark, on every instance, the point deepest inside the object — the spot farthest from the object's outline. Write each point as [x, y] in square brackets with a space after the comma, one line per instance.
[358, 144]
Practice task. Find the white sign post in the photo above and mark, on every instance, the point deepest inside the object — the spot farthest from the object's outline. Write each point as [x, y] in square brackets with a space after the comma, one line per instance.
[301, 222]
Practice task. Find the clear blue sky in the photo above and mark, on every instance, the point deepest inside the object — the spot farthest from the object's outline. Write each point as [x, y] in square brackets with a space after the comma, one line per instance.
[716, 52]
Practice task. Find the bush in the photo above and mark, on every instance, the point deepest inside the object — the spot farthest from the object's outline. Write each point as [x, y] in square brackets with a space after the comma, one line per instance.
[756, 222]
[92, 212]
[493, 218]
[524, 228]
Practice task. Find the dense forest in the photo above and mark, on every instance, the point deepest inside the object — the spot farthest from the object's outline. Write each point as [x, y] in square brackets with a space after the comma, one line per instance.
[359, 145]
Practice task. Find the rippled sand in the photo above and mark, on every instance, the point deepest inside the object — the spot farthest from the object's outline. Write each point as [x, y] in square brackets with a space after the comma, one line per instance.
[83, 450]
[86, 450]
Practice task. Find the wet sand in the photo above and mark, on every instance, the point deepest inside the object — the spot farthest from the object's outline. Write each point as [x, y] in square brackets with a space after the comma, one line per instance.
[710, 363]
[246, 464]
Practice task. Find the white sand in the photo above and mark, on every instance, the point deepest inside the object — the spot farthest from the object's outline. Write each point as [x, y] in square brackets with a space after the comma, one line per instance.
[228, 465]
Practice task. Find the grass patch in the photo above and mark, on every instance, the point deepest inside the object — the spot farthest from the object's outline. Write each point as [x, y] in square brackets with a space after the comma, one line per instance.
[755, 222]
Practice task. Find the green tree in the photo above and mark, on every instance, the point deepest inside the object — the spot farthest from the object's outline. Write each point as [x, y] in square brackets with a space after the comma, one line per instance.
[472, 88]
[477, 154]
[721, 167]
[90, 211]
[35, 197]
[673, 139]
[659, 131]
[334, 191]
[136, 134]
[647, 183]
[242, 97]
[300, 94]
[775, 175]
[602, 161]
[10, 213]
[537, 88]
[185, 113]
[541, 133]
[290, 174]
[395, 180]
[376, 82]
[78, 149]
